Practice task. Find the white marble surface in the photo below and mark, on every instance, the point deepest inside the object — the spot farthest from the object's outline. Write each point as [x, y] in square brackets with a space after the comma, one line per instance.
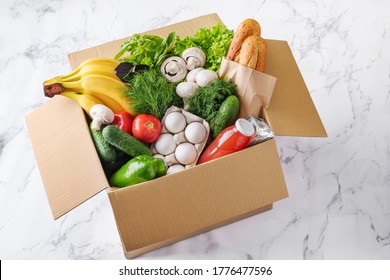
[339, 204]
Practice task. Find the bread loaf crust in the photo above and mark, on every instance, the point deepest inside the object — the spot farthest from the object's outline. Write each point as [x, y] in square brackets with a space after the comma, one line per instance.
[253, 53]
[249, 27]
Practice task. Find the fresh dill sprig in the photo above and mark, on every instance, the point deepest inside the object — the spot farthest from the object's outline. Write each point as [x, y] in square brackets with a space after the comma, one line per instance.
[206, 101]
[151, 93]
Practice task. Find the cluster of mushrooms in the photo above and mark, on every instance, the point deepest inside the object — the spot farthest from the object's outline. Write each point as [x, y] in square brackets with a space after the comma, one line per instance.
[189, 67]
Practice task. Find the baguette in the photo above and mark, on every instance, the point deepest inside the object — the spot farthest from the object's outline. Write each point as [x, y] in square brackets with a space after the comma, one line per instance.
[253, 53]
[246, 28]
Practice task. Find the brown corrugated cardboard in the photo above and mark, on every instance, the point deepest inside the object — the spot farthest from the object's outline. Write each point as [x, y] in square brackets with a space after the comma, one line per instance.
[180, 205]
[66, 157]
[291, 112]
[174, 207]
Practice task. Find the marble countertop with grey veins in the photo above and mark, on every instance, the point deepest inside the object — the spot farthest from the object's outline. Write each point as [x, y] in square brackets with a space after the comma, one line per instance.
[339, 187]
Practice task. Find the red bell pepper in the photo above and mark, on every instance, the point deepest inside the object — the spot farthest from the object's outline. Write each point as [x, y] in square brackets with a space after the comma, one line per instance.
[124, 121]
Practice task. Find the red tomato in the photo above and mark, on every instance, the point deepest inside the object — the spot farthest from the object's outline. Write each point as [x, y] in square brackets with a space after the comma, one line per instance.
[146, 128]
[124, 121]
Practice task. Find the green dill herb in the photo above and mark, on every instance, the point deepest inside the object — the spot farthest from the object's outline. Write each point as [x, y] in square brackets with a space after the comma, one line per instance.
[206, 101]
[151, 93]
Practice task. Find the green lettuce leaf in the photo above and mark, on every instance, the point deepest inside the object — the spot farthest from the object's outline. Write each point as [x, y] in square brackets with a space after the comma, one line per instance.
[214, 41]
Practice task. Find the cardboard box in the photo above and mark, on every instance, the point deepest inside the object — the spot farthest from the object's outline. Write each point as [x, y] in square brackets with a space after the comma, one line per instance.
[172, 208]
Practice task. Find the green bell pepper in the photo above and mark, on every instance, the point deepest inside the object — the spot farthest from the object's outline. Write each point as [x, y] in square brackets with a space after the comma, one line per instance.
[137, 170]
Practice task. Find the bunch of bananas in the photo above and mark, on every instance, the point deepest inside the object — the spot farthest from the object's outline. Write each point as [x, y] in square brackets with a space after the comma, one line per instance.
[93, 82]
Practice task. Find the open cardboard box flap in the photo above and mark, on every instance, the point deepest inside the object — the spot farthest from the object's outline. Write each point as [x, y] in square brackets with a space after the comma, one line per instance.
[171, 208]
[69, 165]
[291, 111]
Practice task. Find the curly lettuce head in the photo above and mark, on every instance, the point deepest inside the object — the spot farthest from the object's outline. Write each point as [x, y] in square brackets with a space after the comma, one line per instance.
[213, 41]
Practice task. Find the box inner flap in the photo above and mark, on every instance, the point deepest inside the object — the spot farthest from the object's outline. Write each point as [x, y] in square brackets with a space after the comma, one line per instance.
[184, 203]
[66, 156]
[291, 111]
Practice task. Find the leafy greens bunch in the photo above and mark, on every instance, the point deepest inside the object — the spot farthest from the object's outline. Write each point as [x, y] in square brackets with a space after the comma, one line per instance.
[147, 49]
[206, 101]
[151, 93]
[214, 41]
[151, 50]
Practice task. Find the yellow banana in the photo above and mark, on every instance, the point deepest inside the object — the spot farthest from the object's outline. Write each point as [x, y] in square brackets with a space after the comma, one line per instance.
[86, 101]
[101, 84]
[92, 69]
[104, 66]
[108, 101]
[97, 61]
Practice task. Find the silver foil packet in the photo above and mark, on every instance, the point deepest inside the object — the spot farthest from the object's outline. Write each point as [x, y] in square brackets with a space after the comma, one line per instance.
[263, 131]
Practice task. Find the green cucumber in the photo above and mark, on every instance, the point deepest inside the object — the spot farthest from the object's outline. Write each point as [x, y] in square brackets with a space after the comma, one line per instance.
[125, 142]
[110, 157]
[226, 115]
[107, 153]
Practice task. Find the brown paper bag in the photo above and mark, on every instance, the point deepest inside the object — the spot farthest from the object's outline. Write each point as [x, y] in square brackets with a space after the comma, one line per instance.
[254, 88]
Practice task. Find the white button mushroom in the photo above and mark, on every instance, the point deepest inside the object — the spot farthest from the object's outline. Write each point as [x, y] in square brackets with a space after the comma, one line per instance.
[174, 69]
[186, 89]
[192, 74]
[204, 77]
[101, 114]
[194, 57]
